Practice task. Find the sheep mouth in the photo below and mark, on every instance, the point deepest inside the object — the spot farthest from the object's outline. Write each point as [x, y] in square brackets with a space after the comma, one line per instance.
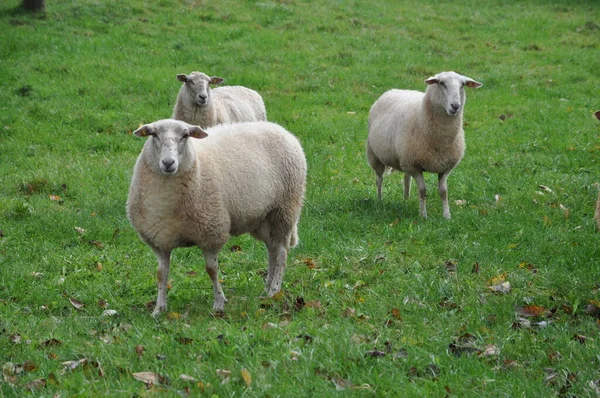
[168, 171]
[201, 102]
[452, 113]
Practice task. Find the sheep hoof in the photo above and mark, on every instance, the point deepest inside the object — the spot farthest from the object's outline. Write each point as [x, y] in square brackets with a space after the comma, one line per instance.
[159, 310]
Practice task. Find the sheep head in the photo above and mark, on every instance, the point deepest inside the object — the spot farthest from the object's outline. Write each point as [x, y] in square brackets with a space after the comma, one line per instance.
[197, 86]
[446, 90]
[166, 150]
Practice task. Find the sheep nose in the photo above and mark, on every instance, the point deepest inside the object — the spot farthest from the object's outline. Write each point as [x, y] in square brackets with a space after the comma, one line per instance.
[455, 107]
[203, 97]
[167, 163]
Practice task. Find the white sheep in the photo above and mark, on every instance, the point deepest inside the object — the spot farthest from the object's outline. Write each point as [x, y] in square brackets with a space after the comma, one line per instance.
[192, 187]
[198, 105]
[415, 132]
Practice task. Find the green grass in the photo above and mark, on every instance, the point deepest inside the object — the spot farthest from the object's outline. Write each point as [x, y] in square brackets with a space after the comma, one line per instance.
[392, 307]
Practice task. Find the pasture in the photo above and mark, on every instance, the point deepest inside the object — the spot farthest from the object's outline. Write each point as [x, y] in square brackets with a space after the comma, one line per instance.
[503, 299]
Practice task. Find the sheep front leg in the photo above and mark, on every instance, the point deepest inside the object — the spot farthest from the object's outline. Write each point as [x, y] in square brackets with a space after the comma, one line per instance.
[422, 194]
[212, 267]
[277, 259]
[443, 191]
[162, 276]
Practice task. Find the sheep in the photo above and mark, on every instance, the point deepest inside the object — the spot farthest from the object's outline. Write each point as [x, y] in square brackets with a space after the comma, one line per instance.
[413, 132]
[197, 104]
[597, 213]
[196, 187]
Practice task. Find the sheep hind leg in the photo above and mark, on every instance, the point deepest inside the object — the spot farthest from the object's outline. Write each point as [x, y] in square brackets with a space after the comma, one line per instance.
[212, 269]
[407, 178]
[443, 191]
[422, 194]
[162, 276]
[277, 259]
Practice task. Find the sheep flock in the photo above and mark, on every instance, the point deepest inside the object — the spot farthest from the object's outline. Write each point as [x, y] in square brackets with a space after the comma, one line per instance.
[218, 168]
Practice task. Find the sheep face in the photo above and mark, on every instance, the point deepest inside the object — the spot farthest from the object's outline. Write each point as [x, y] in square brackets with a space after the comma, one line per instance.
[166, 151]
[197, 86]
[446, 90]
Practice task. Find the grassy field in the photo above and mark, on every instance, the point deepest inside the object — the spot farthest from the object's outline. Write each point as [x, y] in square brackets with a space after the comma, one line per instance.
[376, 301]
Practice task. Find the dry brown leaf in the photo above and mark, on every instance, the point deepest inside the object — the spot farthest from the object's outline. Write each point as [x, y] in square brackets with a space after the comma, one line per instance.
[313, 304]
[299, 303]
[395, 313]
[139, 350]
[97, 244]
[310, 264]
[545, 188]
[185, 377]
[534, 311]
[184, 340]
[35, 385]
[475, 269]
[247, 377]
[76, 303]
[79, 230]
[15, 338]
[55, 198]
[51, 343]
[489, 350]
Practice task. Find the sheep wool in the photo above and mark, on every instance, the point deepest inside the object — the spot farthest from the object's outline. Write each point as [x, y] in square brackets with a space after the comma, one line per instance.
[192, 187]
[200, 105]
[414, 132]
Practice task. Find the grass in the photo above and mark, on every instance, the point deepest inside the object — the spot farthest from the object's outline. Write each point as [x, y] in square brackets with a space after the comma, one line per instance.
[376, 300]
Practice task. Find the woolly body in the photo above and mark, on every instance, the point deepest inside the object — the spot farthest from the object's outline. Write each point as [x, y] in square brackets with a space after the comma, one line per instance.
[241, 178]
[416, 132]
[200, 105]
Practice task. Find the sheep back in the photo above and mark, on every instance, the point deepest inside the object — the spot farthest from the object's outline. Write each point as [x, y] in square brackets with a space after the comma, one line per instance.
[242, 175]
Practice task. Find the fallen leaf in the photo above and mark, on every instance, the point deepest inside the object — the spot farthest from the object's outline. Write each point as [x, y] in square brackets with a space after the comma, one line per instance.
[79, 230]
[545, 188]
[236, 248]
[35, 384]
[475, 269]
[581, 339]
[498, 279]
[313, 304]
[374, 354]
[184, 340]
[395, 313]
[489, 350]
[349, 313]
[150, 378]
[534, 311]
[310, 264]
[74, 364]
[139, 350]
[76, 303]
[299, 303]
[503, 287]
[15, 338]
[109, 313]
[97, 244]
[224, 375]
[51, 343]
[55, 198]
[460, 202]
[247, 377]
[185, 377]
[192, 274]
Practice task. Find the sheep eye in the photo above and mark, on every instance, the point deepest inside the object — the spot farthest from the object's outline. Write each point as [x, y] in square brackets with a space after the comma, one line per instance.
[442, 84]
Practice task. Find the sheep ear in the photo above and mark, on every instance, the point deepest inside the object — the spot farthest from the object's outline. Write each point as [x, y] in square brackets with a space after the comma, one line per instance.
[182, 78]
[216, 80]
[197, 132]
[597, 115]
[143, 131]
[432, 80]
[472, 83]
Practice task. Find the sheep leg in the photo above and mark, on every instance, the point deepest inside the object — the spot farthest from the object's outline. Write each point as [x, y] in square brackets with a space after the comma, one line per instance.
[212, 267]
[443, 191]
[407, 178]
[277, 259]
[422, 194]
[378, 167]
[162, 276]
